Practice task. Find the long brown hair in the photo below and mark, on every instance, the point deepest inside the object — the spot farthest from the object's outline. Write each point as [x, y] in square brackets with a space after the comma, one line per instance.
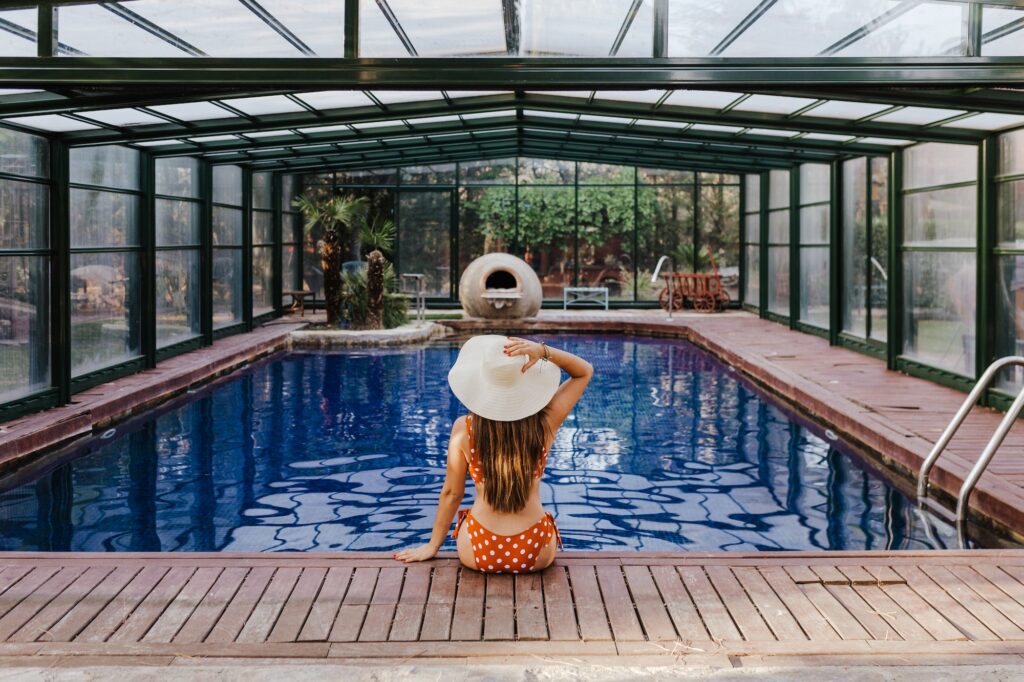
[510, 453]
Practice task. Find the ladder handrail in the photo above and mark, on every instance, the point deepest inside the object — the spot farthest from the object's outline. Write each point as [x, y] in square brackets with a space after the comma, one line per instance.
[972, 399]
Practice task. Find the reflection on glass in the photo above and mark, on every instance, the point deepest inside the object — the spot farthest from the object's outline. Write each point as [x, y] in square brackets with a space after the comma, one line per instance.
[103, 218]
[177, 296]
[290, 272]
[177, 222]
[1011, 213]
[855, 246]
[24, 326]
[878, 264]
[106, 310]
[262, 280]
[227, 287]
[547, 217]
[944, 217]
[24, 154]
[24, 214]
[1009, 323]
[814, 286]
[262, 227]
[940, 299]
[778, 280]
[778, 189]
[423, 246]
[227, 185]
[110, 166]
[262, 190]
[177, 176]
[1011, 152]
[752, 285]
[227, 226]
[937, 163]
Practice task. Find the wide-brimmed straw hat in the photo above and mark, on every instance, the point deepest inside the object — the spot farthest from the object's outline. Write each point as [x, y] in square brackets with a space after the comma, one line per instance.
[494, 386]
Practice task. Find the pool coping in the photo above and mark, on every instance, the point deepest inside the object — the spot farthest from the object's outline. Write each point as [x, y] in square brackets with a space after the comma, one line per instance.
[891, 447]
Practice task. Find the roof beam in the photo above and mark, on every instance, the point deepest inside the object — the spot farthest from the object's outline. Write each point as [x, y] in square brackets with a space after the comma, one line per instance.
[153, 29]
[741, 28]
[278, 27]
[513, 26]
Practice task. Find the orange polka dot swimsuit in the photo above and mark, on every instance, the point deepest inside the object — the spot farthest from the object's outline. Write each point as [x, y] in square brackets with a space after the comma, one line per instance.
[495, 553]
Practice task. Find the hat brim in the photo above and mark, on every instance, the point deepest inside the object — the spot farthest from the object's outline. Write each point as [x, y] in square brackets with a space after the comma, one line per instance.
[526, 397]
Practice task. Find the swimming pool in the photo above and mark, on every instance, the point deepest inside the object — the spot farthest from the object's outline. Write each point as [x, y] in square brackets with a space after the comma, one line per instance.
[668, 450]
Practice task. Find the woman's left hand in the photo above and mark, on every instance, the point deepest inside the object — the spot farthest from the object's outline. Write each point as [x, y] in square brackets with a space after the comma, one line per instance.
[421, 553]
[531, 349]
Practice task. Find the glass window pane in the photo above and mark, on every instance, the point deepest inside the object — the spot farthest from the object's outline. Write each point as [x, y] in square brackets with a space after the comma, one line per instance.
[436, 174]
[177, 176]
[1011, 152]
[605, 174]
[227, 287]
[752, 284]
[289, 272]
[1007, 42]
[1011, 213]
[262, 280]
[15, 45]
[594, 27]
[499, 171]
[778, 189]
[262, 190]
[177, 222]
[937, 163]
[111, 166]
[928, 29]
[546, 225]
[752, 228]
[606, 239]
[944, 217]
[1009, 326]
[289, 190]
[546, 172]
[939, 294]
[814, 183]
[106, 307]
[177, 296]
[778, 227]
[386, 176]
[487, 218]
[814, 224]
[227, 185]
[814, 286]
[879, 262]
[24, 326]
[440, 28]
[262, 227]
[778, 280]
[227, 226]
[855, 246]
[663, 176]
[24, 154]
[720, 232]
[424, 240]
[24, 215]
[752, 187]
[317, 24]
[103, 218]
[665, 227]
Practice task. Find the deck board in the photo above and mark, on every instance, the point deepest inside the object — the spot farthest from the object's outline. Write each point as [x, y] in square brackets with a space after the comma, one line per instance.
[849, 604]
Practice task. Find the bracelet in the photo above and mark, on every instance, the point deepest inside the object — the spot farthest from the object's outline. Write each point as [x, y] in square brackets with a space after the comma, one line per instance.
[547, 354]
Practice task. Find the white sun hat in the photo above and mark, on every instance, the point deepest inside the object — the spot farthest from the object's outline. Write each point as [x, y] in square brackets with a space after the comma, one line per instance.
[494, 386]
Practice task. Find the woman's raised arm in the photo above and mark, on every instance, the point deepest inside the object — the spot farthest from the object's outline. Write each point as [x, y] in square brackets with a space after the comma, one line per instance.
[568, 394]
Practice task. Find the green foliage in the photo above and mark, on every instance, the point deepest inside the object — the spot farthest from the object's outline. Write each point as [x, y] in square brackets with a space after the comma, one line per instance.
[355, 307]
[378, 235]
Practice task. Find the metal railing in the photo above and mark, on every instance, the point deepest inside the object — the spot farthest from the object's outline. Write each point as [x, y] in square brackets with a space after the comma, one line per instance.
[670, 271]
[990, 448]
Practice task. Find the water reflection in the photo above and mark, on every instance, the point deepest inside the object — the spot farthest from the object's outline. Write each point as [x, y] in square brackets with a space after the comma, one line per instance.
[346, 451]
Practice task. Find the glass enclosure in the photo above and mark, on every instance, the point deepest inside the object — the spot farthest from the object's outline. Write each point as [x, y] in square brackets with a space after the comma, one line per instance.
[815, 233]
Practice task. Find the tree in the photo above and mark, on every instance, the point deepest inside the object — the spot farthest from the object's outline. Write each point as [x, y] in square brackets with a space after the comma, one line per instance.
[379, 237]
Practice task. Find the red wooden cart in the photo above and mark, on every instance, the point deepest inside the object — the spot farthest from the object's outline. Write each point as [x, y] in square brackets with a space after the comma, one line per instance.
[701, 291]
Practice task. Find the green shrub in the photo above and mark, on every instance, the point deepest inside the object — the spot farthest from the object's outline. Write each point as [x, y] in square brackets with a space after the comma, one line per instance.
[355, 302]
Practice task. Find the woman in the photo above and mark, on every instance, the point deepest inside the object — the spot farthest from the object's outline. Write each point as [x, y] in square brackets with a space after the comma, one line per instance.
[511, 388]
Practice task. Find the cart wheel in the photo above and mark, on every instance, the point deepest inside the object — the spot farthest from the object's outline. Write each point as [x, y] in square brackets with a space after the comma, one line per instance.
[704, 304]
[677, 299]
[723, 299]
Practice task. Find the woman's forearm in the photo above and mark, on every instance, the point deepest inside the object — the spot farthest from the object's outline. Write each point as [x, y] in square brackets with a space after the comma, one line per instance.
[447, 505]
[573, 365]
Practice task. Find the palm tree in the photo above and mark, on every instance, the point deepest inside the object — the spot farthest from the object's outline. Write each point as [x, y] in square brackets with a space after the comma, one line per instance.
[339, 217]
[379, 237]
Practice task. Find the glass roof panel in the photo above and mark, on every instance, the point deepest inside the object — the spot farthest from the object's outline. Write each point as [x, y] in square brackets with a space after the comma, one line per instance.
[159, 143]
[24, 91]
[645, 96]
[987, 121]
[917, 115]
[213, 138]
[664, 124]
[122, 117]
[192, 111]
[455, 94]
[442, 28]
[925, 30]
[775, 132]
[848, 110]
[773, 104]
[716, 128]
[272, 133]
[366, 125]
[432, 119]
[1001, 34]
[827, 137]
[97, 31]
[695, 27]
[488, 114]
[885, 140]
[11, 44]
[398, 96]
[258, 106]
[219, 28]
[707, 99]
[376, 36]
[324, 129]
[51, 122]
[584, 28]
[549, 114]
[605, 119]
[335, 99]
[320, 25]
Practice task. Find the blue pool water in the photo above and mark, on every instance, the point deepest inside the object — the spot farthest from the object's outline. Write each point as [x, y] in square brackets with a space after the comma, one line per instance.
[667, 450]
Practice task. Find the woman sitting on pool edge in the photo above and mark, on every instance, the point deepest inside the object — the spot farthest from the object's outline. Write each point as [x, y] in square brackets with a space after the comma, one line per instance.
[516, 405]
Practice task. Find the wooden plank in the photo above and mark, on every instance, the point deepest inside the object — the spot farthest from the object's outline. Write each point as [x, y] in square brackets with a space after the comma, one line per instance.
[317, 627]
[992, 593]
[973, 602]
[590, 609]
[711, 609]
[885, 606]
[468, 615]
[437, 616]
[175, 615]
[381, 611]
[558, 607]
[28, 584]
[353, 608]
[61, 605]
[530, 621]
[649, 603]
[811, 621]
[294, 613]
[945, 604]
[145, 614]
[242, 604]
[844, 623]
[619, 604]
[205, 616]
[921, 611]
[120, 607]
[743, 612]
[775, 613]
[93, 603]
[680, 607]
[499, 607]
[411, 604]
[263, 617]
[11, 575]
[838, 585]
[39, 598]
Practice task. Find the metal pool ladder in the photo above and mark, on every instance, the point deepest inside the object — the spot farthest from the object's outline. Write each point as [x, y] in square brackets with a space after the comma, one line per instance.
[990, 449]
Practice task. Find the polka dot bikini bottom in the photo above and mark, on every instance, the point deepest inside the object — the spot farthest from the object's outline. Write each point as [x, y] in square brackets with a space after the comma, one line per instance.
[507, 553]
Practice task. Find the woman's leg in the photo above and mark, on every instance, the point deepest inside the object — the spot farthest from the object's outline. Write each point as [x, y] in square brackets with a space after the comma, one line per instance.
[464, 544]
[546, 555]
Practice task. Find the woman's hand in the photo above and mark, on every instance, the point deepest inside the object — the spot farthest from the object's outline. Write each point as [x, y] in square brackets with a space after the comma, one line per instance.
[421, 553]
[531, 349]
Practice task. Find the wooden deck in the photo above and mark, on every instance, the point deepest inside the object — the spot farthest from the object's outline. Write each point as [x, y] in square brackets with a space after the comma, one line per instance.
[935, 607]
